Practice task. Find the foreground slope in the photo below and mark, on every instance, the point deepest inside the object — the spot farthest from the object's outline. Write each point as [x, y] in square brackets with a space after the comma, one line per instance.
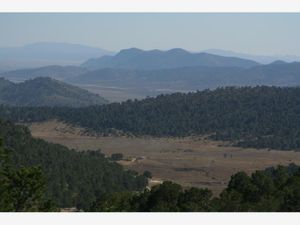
[270, 190]
[73, 178]
[46, 92]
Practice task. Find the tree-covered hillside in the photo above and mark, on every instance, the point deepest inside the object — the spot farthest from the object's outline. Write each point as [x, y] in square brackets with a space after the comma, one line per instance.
[72, 178]
[21, 189]
[260, 117]
[46, 92]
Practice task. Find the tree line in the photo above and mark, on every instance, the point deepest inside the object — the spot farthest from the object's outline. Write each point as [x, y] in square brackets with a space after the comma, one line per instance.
[271, 190]
[259, 117]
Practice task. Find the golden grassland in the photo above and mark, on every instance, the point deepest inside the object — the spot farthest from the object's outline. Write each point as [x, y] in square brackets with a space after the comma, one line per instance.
[191, 161]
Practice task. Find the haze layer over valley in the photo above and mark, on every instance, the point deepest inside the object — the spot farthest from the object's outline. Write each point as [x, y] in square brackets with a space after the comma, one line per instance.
[135, 73]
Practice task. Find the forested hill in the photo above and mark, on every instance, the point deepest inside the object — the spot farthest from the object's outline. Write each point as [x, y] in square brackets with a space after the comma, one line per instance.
[261, 117]
[46, 92]
[73, 178]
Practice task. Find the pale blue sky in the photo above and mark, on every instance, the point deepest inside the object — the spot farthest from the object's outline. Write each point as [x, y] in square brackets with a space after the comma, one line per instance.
[249, 33]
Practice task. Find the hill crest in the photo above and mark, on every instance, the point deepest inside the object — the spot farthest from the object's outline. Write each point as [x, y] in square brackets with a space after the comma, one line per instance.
[45, 91]
[135, 58]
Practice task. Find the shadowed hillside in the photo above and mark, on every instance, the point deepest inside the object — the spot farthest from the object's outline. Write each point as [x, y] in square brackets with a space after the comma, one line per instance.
[155, 59]
[46, 92]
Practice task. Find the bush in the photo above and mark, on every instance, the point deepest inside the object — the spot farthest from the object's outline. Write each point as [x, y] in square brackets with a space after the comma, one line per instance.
[147, 174]
[117, 156]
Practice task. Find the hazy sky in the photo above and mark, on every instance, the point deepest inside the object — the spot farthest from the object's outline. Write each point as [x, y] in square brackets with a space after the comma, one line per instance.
[249, 33]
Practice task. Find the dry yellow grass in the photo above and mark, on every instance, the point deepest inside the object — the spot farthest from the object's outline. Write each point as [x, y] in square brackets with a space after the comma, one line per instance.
[189, 161]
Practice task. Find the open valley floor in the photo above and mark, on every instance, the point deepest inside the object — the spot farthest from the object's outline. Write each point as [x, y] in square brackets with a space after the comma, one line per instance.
[191, 161]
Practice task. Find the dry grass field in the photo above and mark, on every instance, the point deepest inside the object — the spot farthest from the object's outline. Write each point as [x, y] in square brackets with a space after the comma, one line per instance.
[192, 161]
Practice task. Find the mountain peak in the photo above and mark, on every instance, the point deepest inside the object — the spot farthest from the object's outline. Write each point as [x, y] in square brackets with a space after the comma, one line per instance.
[130, 51]
[278, 62]
[135, 58]
[178, 51]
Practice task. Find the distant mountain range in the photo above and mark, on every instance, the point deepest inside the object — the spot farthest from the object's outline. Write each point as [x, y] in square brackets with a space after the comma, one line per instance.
[264, 59]
[56, 72]
[155, 59]
[278, 73]
[136, 73]
[46, 92]
[47, 53]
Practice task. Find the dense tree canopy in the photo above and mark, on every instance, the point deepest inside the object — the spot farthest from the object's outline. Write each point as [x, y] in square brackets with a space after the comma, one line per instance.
[22, 189]
[72, 178]
[167, 197]
[260, 117]
[117, 156]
